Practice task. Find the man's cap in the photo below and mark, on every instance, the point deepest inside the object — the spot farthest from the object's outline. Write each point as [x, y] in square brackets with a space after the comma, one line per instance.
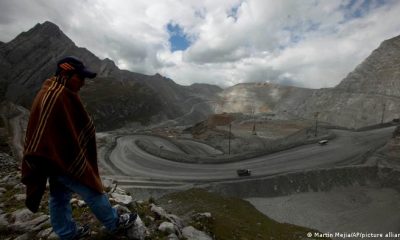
[73, 64]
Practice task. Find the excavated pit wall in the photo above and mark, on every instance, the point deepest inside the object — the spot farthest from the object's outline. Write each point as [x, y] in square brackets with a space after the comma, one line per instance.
[279, 145]
[310, 181]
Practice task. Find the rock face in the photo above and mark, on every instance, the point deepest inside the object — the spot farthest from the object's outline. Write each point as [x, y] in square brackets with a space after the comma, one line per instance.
[367, 96]
[114, 98]
[261, 98]
[379, 74]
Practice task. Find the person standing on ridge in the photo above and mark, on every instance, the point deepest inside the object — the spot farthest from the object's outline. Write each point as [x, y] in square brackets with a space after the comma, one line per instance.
[60, 145]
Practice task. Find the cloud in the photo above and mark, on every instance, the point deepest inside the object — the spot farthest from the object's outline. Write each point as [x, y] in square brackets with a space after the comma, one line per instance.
[303, 43]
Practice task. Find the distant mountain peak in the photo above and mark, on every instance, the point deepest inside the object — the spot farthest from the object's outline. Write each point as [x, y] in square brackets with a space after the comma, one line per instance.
[47, 28]
[395, 40]
[378, 73]
[47, 24]
[158, 75]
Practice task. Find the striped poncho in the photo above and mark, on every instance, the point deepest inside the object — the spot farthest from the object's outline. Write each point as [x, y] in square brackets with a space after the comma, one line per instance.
[60, 140]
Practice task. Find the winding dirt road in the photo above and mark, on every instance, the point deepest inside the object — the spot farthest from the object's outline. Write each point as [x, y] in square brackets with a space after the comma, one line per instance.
[127, 159]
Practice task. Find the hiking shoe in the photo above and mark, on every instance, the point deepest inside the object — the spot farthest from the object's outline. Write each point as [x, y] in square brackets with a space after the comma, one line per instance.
[126, 220]
[82, 232]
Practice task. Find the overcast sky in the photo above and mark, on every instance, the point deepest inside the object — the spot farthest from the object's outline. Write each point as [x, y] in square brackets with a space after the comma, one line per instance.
[309, 43]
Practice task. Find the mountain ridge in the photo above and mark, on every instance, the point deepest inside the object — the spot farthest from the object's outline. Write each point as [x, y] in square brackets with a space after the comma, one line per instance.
[30, 58]
[368, 95]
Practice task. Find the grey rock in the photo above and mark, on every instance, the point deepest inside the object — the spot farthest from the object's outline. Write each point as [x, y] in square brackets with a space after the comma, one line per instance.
[81, 203]
[73, 201]
[172, 236]
[122, 199]
[45, 233]
[53, 236]
[108, 184]
[149, 218]
[119, 190]
[193, 234]
[158, 210]
[20, 197]
[121, 209]
[35, 224]
[167, 227]
[3, 220]
[21, 215]
[5, 178]
[19, 186]
[206, 214]
[25, 236]
[177, 221]
[138, 231]
[3, 190]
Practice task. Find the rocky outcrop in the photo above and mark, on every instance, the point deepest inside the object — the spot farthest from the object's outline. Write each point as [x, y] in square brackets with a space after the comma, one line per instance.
[17, 222]
[378, 74]
[259, 98]
[369, 95]
[15, 119]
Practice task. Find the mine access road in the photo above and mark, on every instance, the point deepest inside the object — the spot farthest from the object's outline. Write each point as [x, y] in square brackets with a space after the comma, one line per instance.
[125, 160]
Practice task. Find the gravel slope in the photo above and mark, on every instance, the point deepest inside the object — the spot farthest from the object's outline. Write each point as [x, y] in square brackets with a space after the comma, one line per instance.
[351, 209]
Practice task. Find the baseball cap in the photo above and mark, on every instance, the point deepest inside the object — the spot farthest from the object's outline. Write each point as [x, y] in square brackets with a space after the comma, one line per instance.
[73, 64]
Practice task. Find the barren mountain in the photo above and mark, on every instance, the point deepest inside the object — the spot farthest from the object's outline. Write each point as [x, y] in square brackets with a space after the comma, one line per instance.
[114, 98]
[261, 98]
[369, 95]
[378, 74]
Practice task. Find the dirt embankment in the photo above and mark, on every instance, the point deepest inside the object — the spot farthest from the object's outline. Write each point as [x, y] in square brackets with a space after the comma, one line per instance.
[321, 180]
[242, 147]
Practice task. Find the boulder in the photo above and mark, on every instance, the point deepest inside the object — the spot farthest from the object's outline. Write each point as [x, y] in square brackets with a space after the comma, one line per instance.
[194, 234]
[44, 233]
[167, 227]
[159, 211]
[81, 203]
[21, 215]
[138, 231]
[73, 200]
[122, 199]
[121, 209]
[52, 236]
[172, 236]
[35, 224]
[108, 184]
[20, 197]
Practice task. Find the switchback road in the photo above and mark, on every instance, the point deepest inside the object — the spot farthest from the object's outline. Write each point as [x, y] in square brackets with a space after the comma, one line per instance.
[127, 159]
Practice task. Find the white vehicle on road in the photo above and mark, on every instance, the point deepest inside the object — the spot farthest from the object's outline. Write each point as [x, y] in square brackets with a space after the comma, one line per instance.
[323, 142]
